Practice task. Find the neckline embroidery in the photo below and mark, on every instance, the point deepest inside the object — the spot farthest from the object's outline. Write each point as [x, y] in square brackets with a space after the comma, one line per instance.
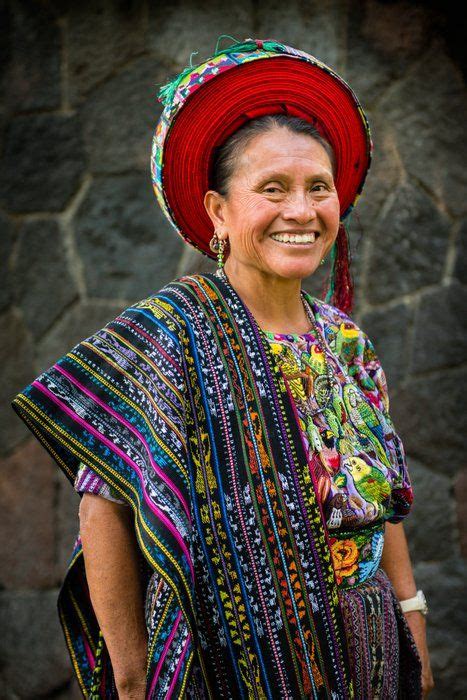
[290, 336]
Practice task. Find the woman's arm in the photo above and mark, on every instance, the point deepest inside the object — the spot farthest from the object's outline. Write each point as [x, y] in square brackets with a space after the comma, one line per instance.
[396, 562]
[110, 553]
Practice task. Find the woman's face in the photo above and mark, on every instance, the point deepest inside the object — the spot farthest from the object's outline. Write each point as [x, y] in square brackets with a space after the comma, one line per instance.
[283, 182]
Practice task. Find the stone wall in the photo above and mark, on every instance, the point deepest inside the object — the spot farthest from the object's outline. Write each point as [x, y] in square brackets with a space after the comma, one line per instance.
[82, 237]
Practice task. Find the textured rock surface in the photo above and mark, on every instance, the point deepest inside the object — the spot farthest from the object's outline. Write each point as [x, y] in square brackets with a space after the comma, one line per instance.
[390, 333]
[6, 249]
[443, 583]
[432, 518]
[440, 310]
[42, 162]
[410, 245]
[28, 552]
[431, 416]
[34, 657]
[41, 264]
[118, 231]
[82, 237]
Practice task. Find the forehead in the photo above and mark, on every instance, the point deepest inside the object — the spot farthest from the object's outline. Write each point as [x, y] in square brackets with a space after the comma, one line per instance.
[280, 151]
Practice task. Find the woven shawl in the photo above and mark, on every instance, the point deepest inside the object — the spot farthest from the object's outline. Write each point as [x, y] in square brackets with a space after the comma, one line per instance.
[178, 404]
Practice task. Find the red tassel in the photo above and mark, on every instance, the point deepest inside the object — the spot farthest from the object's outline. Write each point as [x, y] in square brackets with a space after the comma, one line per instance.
[342, 287]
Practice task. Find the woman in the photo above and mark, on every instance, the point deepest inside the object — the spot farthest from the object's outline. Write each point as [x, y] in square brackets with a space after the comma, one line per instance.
[231, 434]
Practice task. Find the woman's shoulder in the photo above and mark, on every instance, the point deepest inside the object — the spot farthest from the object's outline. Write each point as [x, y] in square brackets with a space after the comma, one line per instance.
[345, 337]
[333, 313]
[332, 316]
[173, 289]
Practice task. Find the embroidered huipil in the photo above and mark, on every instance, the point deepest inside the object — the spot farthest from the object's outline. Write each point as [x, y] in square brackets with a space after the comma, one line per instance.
[179, 400]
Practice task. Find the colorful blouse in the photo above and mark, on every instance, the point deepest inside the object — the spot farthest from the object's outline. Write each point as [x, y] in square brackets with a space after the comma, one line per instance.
[360, 486]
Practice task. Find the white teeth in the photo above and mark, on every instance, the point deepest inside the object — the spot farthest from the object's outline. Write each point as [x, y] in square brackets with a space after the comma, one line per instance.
[291, 238]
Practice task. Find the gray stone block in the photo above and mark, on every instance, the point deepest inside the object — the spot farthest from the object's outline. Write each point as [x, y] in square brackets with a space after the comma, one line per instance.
[34, 656]
[460, 505]
[460, 265]
[388, 331]
[78, 322]
[43, 284]
[440, 334]
[383, 178]
[16, 359]
[313, 26]
[169, 39]
[127, 248]
[42, 163]
[120, 28]
[427, 111]
[119, 119]
[444, 586]
[429, 411]
[32, 57]
[382, 40]
[27, 502]
[7, 239]
[429, 525]
[409, 245]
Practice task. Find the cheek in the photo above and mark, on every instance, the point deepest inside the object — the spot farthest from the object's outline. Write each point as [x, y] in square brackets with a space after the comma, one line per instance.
[250, 220]
[247, 242]
[331, 208]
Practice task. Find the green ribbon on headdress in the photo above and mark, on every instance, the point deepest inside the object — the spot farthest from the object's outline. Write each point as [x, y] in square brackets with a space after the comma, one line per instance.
[166, 92]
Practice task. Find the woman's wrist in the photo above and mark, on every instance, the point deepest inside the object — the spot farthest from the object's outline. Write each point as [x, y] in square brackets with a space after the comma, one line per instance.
[415, 615]
[416, 602]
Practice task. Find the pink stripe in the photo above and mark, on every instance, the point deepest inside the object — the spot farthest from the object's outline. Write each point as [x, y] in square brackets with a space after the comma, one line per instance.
[135, 432]
[164, 653]
[91, 660]
[125, 457]
[177, 672]
[160, 348]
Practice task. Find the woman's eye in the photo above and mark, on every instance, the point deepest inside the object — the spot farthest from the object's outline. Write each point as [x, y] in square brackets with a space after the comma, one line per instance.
[314, 188]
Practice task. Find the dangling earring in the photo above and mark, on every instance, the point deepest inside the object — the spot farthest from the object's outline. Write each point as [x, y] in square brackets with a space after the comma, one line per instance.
[217, 246]
[322, 261]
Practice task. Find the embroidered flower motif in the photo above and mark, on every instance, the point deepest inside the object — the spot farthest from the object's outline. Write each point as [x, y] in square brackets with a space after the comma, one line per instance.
[345, 557]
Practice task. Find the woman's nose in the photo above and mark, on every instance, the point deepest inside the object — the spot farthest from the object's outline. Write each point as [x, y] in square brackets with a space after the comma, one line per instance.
[300, 207]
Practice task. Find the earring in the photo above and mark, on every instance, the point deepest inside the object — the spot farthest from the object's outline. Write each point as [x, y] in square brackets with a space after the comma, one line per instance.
[217, 246]
[322, 261]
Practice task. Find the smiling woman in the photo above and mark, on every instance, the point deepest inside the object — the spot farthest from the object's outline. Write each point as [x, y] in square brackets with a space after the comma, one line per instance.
[245, 422]
[279, 212]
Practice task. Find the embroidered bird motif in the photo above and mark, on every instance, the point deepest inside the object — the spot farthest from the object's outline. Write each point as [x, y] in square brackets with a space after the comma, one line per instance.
[369, 481]
[366, 421]
[346, 341]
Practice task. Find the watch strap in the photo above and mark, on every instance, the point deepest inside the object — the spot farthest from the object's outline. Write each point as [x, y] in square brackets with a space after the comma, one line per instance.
[417, 602]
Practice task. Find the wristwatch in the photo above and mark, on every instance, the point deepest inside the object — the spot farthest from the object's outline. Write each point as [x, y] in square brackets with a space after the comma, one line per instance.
[418, 602]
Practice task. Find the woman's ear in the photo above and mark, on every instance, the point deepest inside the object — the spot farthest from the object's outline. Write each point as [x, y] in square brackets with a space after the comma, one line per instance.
[214, 204]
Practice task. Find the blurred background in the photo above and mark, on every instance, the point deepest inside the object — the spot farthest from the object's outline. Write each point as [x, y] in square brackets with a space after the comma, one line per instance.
[82, 237]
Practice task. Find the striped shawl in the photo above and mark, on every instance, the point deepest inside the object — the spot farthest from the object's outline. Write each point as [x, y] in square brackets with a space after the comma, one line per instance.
[178, 404]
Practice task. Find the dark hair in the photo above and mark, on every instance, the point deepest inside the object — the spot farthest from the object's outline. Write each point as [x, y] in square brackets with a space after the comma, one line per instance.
[226, 156]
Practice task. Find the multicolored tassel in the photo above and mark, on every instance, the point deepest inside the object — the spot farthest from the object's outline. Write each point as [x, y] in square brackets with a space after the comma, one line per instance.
[166, 92]
[340, 282]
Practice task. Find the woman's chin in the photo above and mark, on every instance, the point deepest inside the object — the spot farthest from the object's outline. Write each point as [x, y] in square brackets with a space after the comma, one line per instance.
[295, 269]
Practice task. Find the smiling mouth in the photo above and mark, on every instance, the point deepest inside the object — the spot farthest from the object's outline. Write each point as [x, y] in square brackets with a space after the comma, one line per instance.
[304, 239]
